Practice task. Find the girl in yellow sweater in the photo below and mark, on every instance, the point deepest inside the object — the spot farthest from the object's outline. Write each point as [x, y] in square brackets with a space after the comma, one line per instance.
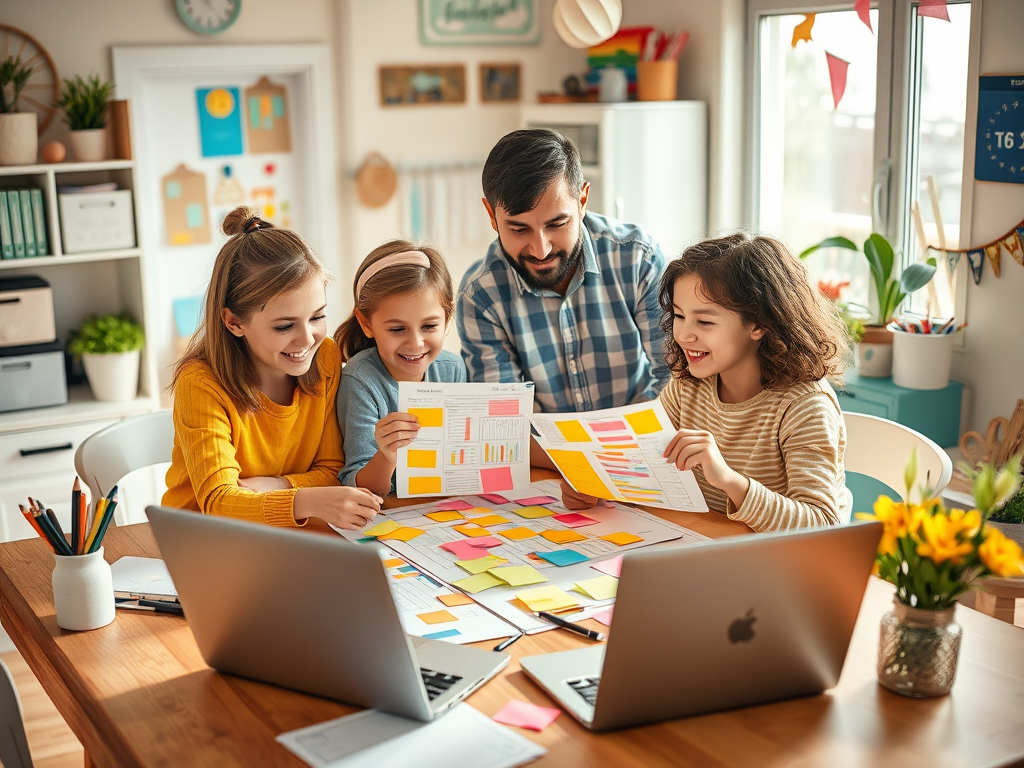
[255, 431]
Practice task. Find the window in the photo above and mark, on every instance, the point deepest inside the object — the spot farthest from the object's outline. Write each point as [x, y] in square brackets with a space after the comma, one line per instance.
[818, 170]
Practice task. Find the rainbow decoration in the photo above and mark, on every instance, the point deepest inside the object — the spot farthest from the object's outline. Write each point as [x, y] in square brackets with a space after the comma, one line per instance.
[620, 50]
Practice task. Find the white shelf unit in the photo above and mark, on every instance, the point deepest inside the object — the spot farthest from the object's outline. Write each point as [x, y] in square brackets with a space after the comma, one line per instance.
[647, 162]
[37, 445]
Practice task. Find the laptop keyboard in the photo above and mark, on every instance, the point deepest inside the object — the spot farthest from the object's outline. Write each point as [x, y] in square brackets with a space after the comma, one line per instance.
[437, 682]
[586, 687]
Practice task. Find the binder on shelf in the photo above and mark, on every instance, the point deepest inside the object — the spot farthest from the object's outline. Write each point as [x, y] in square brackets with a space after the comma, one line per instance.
[39, 219]
[6, 243]
[14, 210]
[28, 227]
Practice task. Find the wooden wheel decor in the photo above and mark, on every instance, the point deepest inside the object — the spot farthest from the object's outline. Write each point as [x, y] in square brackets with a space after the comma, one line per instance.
[43, 87]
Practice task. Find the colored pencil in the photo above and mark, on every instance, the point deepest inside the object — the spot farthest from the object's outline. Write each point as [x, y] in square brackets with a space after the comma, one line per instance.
[32, 521]
[76, 513]
[108, 514]
[83, 522]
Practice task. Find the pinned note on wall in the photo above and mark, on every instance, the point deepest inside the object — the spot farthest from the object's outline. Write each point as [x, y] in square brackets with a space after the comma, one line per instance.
[267, 125]
[220, 121]
[186, 221]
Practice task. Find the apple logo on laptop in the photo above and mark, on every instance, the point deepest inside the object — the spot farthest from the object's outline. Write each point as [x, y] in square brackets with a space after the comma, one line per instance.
[742, 630]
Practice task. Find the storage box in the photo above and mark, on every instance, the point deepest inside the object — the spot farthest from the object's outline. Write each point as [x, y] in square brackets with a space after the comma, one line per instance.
[26, 312]
[32, 376]
[97, 221]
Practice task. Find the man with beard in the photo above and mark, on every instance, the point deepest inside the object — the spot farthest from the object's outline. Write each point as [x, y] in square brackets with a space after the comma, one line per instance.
[564, 298]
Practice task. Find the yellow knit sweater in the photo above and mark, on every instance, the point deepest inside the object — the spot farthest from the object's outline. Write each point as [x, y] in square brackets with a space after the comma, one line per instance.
[215, 444]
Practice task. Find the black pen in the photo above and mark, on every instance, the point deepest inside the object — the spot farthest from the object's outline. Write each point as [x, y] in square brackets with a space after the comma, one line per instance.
[592, 634]
[154, 606]
[506, 643]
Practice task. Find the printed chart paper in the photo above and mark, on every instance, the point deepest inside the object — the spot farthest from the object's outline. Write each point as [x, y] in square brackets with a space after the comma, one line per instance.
[473, 438]
[617, 454]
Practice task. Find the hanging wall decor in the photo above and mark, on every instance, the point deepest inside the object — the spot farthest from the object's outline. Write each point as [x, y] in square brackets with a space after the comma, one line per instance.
[471, 22]
[427, 84]
[1012, 241]
[1000, 133]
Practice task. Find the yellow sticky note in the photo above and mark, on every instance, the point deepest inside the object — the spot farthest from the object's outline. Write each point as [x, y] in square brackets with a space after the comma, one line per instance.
[455, 599]
[445, 516]
[601, 588]
[532, 513]
[518, 575]
[563, 537]
[577, 470]
[549, 598]
[402, 534]
[481, 564]
[393, 562]
[472, 530]
[518, 534]
[429, 417]
[436, 617]
[421, 485]
[573, 431]
[421, 459]
[478, 583]
[380, 529]
[644, 422]
[621, 538]
[490, 520]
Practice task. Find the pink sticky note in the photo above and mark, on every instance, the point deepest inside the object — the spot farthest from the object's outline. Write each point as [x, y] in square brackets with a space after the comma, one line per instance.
[523, 714]
[536, 501]
[463, 550]
[608, 426]
[503, 407]
[611, 567]
[494, 498]
[496, 479]
[457, 505]
[485, 541]
[605, 615]
[575, 520]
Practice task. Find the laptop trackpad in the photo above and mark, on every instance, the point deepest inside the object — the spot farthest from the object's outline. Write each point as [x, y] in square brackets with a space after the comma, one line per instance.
[553, 671]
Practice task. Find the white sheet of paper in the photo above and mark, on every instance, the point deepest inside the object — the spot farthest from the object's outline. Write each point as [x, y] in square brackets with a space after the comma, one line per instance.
[142, 577]
[461, 737]
[622, 448]
[482, 443]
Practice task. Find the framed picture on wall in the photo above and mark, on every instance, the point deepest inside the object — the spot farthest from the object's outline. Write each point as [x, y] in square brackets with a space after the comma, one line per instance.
[472, 22]
[499, 82]
[428, 84]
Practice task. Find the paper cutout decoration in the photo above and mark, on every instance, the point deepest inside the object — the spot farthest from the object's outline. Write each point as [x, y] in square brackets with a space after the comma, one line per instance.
[977, 261]
[952, 260]
[1014, 247]
[563, 557]
[992, 251]
[455, 599]
[478, 583]
[837, 69]
[228, 192]
[436, 617]
[267, 124]
[550, 598]
[185, 209]
[863, 9]
[622, 538]
[518, 575]
[563, 537]
[523, 714]
[600, 588]
[802, 31]
[934, 8]
[220, 121]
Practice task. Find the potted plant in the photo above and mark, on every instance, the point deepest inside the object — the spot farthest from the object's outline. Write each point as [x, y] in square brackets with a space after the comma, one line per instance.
[19, 139]
[85, 111]
[874, 352]
[1000, 490]
[110, 348]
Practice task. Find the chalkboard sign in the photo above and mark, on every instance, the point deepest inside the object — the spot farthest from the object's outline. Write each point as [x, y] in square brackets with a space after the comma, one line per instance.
[999, 154]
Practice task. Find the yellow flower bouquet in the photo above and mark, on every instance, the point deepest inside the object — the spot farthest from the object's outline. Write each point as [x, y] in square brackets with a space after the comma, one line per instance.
[933, 555]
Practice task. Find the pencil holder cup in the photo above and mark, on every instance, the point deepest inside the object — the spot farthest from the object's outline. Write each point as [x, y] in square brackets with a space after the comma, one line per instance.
[656, 80]
[921, 360]
[83, 591]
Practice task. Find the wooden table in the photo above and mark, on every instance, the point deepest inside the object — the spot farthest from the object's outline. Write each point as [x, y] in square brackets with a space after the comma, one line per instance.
[137, 693]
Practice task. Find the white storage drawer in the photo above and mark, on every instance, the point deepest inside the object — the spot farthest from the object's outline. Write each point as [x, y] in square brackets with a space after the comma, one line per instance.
[54, 490]
[97, 221]
[43, 451]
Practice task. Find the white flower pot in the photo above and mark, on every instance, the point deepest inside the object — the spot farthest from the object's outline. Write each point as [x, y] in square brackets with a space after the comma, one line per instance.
[89, 146]
[921, 360]
[19, 139]
[874, 353]
[113, 378]
[83, 591]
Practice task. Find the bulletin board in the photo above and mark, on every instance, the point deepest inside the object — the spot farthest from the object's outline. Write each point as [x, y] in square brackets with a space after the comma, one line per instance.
[219, 127]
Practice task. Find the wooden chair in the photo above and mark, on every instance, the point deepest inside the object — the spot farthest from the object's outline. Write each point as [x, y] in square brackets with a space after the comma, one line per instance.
[876, 451]
[104, 458]
[13, 743]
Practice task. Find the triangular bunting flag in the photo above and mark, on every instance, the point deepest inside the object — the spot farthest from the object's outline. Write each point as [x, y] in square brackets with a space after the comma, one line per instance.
[1019, 253]
[952, 260]
[934, 8]
[837, 74]
[863, 8]
[992, 251]
[802, 31]
[977, 260]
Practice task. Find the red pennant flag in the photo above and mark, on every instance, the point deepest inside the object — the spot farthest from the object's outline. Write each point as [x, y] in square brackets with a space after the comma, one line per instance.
[934, 8]
[837, 74]
[802, 31]
[863, 9]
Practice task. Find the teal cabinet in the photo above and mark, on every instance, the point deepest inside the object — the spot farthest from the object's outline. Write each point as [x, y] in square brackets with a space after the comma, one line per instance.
[932, 412]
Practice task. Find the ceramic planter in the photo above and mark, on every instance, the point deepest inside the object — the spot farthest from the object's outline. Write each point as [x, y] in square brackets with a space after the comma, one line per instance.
[89, 146]
[921, 360]
[113, 377]
[874, 353]
[19, 139]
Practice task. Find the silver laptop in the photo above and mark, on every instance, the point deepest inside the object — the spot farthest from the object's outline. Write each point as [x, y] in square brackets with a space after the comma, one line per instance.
[308, 612]
[730, 623]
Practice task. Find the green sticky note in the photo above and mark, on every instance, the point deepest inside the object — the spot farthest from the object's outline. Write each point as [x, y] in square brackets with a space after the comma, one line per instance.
[477, 583]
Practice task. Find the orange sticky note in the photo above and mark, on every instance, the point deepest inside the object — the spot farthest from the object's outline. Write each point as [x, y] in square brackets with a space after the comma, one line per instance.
[445, 516]
[621, 538]
[393, 562]
[425, 485]
[402, 534]
[429, 417]
[471, 529]
[421, 459]
[563, 537]
[518, 534]
[644, 422]
[436, 617]
[455, 599]
[490, 520]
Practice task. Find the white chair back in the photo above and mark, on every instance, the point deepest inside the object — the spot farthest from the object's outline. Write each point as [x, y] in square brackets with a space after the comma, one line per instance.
[13, 744]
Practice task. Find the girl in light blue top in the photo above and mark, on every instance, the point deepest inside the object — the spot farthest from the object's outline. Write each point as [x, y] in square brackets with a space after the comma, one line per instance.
[403, 304]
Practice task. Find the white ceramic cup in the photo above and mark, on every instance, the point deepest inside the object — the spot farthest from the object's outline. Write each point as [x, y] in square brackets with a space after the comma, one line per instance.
[921, 360]
[83, 591]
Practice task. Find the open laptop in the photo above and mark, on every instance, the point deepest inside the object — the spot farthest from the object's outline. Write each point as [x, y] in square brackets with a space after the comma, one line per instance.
[308, 612]
[730, 623]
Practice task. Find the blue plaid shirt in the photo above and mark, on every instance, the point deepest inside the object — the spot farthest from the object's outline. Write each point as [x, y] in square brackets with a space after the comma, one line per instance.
[599, 346]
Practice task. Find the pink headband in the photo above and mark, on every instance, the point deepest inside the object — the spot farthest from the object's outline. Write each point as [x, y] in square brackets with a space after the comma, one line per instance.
[417, 258]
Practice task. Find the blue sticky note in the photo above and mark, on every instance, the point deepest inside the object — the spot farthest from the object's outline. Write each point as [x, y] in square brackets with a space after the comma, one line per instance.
[561, 557]
[407, 569]
[442, 634]
[173, 190]
[277, 105]
[194, 215]
[186, 315]
[366, 539]
[220, 121]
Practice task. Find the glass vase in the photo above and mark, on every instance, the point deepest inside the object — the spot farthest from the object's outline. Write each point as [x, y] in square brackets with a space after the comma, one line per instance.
[918, 650]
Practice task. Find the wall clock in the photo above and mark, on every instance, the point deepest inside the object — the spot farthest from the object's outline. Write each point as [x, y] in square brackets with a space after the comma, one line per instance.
[208, 17]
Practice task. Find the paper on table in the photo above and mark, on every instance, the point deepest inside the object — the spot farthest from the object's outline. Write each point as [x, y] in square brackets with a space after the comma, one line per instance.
[370, 739]
[524, 714]
[549, 598]
[142, 577]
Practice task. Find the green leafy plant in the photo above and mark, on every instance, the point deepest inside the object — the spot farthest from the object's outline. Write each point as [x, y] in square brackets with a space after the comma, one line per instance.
[881, 258]
[85, 102]
[997, 490]
[109, 334]
[1012, 511]
[13, 77]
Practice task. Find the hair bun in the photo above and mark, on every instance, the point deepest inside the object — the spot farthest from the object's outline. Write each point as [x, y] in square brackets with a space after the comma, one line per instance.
[234, 222]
